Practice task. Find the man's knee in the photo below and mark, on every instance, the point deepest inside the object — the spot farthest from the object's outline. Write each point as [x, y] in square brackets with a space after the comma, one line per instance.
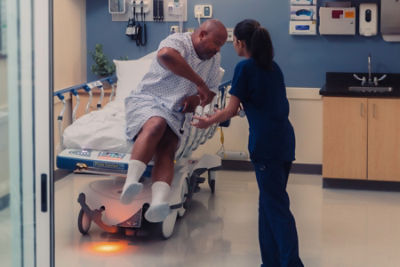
[169, 143]
[154, 127]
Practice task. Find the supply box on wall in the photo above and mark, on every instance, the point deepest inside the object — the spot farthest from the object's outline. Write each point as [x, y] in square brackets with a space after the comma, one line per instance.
[303, 15]
[337, 18]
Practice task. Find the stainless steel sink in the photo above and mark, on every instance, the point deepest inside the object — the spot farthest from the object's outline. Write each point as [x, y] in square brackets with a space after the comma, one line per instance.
[371, 89]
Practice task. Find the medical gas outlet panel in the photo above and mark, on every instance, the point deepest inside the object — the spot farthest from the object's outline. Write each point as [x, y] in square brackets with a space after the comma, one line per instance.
[153, 10]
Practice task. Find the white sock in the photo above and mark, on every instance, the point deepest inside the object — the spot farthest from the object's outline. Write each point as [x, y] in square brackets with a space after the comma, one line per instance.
[132, 186]
[159, 207]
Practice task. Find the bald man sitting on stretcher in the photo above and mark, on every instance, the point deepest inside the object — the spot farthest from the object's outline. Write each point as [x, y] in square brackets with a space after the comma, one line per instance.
[185, 69]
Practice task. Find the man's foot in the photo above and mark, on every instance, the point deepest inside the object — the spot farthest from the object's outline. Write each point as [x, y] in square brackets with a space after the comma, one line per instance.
[129, 192]
[157, 213]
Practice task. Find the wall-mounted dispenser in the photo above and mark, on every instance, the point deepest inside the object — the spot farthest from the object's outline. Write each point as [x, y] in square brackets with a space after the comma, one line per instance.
[337, 20]
[303, 12]
[390, 20]
[368, 19]
[303, 27]
[303, 16]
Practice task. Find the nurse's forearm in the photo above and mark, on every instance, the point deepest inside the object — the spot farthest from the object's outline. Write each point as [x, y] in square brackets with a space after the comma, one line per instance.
[172, 60]
[228, 112]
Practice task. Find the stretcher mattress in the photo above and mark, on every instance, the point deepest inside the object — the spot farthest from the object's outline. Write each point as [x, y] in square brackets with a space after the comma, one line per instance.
[103, 130]
[100, 130]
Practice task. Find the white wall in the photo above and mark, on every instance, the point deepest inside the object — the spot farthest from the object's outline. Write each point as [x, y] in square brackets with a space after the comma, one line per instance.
[69, 43]
[3, 82]
[4, 169]
[4, 162]
[305, 115]
[69, 51]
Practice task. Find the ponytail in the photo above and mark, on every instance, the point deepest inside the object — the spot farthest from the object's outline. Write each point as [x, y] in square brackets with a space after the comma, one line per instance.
[258, 42]
[261, 48]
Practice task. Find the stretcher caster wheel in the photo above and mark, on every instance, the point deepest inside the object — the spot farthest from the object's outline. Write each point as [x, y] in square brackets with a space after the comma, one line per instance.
[211, 180]
[186, 204]
[184, 197]
[166, 227]
[84, 222]
[81, 167]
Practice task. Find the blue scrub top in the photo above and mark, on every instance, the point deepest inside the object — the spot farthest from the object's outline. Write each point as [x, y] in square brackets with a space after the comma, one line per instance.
[263, 95]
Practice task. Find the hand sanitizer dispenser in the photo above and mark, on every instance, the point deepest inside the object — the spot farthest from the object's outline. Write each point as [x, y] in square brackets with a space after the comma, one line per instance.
[368, 19]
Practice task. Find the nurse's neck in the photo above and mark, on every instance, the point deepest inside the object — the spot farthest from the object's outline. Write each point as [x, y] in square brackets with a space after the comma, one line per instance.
[246, 54]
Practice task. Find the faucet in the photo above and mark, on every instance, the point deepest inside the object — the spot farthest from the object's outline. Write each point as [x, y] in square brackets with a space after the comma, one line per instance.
[369, 70]
[371, 82]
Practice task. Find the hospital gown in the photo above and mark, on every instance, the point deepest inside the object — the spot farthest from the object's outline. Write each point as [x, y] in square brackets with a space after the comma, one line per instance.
[161, 92]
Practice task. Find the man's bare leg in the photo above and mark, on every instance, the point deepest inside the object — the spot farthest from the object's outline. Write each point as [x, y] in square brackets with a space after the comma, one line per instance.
[142, 152]
[162, 174]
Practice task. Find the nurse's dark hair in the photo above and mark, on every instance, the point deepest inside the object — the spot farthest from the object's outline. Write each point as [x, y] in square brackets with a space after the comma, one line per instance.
[258, 42]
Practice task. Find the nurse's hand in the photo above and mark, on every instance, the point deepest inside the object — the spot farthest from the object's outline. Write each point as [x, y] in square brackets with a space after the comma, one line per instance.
[201, 122]
[206, 95]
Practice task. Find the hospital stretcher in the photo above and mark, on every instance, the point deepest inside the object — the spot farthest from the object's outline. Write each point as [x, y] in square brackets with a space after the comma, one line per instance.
[99, 200]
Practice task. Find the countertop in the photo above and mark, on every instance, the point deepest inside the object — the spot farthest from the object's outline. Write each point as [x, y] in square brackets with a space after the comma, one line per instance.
[337, 84]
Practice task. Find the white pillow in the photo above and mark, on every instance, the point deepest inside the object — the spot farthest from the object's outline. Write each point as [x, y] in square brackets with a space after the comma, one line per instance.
[130, 73]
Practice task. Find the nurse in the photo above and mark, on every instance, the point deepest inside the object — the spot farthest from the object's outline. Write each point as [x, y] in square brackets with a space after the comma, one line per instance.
[258, 85]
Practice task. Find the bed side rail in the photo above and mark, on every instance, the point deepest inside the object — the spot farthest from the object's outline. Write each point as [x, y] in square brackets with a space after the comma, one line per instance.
[88, 88]
[196, 136]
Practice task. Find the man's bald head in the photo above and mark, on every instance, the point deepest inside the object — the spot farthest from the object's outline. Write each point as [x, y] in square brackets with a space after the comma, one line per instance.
[213, 26]
[209, 38]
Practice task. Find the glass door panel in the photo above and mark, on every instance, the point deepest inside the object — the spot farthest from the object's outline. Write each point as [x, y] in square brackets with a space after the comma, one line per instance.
[24, 177]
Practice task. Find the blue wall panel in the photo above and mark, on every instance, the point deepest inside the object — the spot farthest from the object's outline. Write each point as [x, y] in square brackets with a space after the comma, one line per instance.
[303, 59]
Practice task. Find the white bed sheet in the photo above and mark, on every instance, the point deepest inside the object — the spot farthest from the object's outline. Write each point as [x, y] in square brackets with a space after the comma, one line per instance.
[100, 130]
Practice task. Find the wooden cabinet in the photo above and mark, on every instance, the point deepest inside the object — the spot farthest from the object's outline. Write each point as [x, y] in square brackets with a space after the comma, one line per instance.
[344, 137]
[384, 139]
[361, 138]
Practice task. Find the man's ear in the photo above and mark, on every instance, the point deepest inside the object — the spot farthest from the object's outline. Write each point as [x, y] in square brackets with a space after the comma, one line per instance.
[202, 34]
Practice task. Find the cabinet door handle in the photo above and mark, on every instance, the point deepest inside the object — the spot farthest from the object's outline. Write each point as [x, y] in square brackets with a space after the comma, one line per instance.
[374, 110]
[362, 110]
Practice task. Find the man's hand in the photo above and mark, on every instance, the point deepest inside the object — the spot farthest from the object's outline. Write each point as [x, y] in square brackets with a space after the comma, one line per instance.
[206, 95]
[190, 103]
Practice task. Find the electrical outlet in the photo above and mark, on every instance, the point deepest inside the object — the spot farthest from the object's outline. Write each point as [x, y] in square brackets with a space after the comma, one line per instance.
[203, 11]
[174, 29]
[230, 34]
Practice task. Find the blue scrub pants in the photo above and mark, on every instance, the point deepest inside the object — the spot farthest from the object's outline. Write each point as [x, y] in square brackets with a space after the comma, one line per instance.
[276, 224]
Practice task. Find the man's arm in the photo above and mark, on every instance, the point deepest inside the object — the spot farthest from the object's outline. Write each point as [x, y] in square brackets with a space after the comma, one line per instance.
[171, 59]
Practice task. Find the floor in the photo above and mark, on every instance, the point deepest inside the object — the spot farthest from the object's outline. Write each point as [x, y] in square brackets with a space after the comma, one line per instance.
[5, 233]
[337, 228]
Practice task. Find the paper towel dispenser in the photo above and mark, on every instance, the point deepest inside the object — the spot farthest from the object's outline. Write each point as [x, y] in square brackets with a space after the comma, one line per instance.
[390, 20]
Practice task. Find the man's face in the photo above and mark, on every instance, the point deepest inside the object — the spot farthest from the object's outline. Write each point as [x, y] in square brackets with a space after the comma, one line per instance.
[209, 44]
